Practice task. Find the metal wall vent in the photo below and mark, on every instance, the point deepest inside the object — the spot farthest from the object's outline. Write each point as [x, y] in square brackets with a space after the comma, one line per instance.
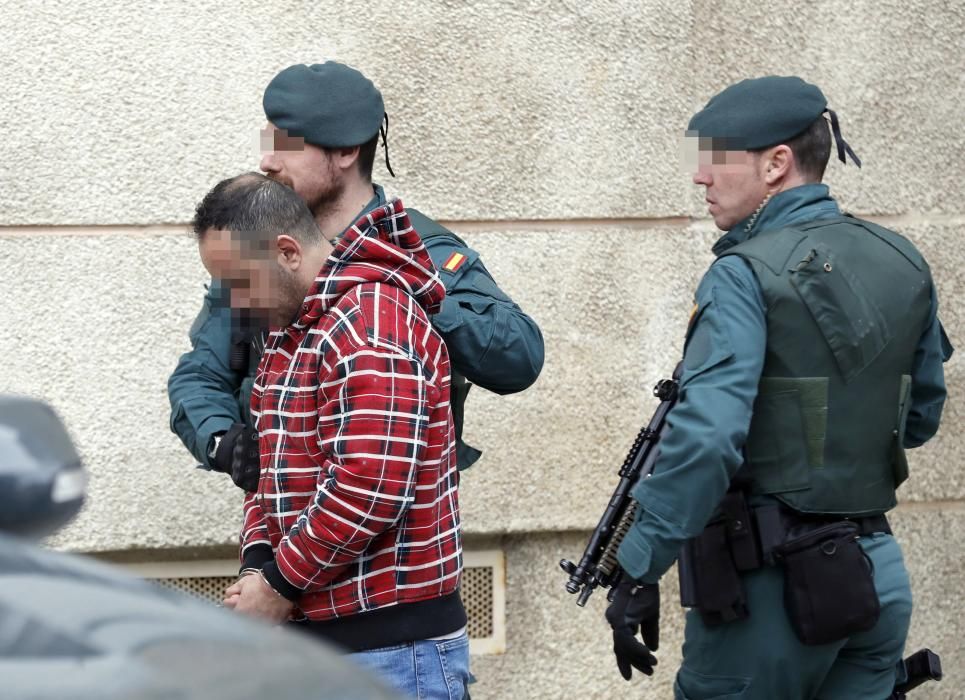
[483, 590]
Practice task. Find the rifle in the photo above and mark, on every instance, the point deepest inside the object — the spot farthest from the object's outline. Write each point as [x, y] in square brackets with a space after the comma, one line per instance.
[599, 566]
[923, 665]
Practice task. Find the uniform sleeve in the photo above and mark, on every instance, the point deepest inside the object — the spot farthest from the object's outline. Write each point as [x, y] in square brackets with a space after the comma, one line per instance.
[928, 380]
[491, 341]
[702, 449]
[202, 387]
[373, 422]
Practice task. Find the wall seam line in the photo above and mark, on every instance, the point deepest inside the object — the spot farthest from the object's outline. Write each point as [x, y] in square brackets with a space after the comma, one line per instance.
[465, 226]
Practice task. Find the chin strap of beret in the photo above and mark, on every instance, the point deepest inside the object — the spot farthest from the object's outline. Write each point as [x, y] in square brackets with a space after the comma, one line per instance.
[842, 145]
[384, 131]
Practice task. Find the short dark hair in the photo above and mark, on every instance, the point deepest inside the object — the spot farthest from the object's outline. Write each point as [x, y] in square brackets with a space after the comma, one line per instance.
[811, 149]
[366, 156]
[255, 208]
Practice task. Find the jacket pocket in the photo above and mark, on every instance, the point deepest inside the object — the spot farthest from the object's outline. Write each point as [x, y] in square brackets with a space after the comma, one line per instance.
[454, 660]
[777, 446]
[449, 317]
[851, 323]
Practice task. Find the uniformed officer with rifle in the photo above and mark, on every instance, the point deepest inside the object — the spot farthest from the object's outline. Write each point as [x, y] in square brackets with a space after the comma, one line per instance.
[325, 121]
[812, 361]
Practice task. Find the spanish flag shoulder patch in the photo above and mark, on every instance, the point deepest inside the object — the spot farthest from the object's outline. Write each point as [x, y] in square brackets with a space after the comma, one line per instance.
[454, 262]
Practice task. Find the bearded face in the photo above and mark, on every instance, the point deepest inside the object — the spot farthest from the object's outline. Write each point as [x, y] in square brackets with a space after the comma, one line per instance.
[305, 168]
[290, 296]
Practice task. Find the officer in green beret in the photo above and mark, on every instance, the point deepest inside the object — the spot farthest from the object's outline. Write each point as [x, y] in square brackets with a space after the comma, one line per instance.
[812, 361]
[324, 124]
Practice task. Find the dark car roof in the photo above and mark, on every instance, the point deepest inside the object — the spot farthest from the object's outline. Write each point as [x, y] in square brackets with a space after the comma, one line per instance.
[74, 628]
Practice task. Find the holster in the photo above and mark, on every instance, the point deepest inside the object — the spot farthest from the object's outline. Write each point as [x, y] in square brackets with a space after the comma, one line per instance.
[711, 563]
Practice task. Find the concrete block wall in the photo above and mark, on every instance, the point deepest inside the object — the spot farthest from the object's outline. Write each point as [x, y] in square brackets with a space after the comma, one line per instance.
[546, 134]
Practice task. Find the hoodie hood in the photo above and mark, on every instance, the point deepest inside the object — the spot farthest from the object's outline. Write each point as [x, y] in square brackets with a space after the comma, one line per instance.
[382, 246]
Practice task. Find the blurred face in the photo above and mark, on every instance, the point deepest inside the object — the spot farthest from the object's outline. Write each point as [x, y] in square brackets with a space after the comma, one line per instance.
[260, 282]
[734, 183]
[305, 168]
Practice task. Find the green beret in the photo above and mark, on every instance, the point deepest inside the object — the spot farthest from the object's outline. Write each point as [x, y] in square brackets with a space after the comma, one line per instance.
[329, 104]
[758, 113]
[763, 112]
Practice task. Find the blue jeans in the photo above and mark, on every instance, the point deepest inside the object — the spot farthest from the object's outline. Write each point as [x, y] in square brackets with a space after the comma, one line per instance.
[424, 670]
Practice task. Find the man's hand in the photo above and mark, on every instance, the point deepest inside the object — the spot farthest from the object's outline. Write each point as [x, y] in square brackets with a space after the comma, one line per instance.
[251, 595]
[635, 606]
[238, 456]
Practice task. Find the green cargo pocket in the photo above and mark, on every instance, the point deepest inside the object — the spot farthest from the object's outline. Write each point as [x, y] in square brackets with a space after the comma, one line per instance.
[852, 325]
[449, 317]
[690, 685]
[899, 462]
[812, 396]
[777, 446]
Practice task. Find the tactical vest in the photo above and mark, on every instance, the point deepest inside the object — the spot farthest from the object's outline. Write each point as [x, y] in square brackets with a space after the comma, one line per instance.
[846, 303]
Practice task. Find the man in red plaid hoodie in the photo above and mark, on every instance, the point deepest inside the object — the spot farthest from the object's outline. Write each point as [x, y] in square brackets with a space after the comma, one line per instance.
[353, 531]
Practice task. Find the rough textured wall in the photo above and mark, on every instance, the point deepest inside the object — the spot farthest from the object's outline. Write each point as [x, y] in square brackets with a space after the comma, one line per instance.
[547, 133]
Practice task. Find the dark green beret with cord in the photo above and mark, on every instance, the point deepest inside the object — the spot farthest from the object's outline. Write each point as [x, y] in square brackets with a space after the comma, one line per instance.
[328, 104]
[763, 112]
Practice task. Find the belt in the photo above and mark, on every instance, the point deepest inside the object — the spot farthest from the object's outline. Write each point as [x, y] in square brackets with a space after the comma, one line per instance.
[773, 522]
[867, 524]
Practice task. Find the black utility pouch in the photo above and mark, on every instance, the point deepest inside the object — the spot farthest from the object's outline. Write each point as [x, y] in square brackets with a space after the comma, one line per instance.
[829, 590]
[720, 592]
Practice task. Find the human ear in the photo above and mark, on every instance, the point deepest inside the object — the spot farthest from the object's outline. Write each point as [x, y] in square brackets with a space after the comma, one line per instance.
[778, 162]
[289, 252]
[345, 158]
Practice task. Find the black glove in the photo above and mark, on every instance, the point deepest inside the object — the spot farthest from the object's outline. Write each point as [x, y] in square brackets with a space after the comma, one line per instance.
[238, 456]
[635, 606]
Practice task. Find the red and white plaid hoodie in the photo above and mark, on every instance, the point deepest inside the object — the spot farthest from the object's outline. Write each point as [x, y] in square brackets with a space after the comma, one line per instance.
[356, 517]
